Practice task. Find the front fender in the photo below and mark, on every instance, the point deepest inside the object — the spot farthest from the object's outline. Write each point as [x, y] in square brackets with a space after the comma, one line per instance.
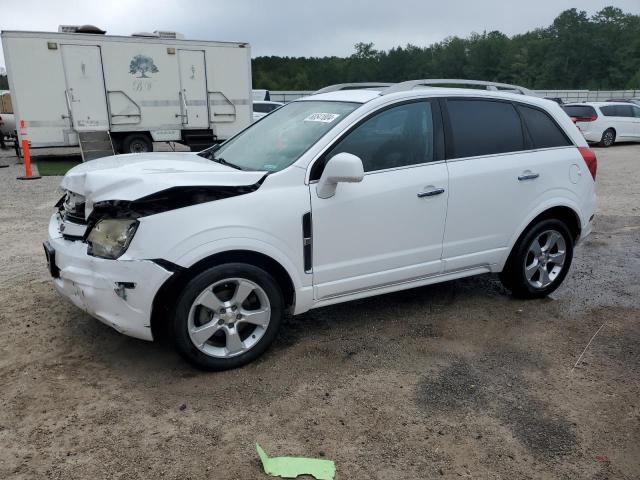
[272, 250]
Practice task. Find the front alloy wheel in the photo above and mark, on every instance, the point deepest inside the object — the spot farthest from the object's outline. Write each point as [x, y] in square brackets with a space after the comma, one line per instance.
[227, 316]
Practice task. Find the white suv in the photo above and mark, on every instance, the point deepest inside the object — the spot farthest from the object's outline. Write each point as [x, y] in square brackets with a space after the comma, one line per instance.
[331, 198]
[605, 123]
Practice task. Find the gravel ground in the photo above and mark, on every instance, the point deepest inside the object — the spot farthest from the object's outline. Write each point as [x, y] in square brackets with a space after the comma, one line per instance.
[457, 380]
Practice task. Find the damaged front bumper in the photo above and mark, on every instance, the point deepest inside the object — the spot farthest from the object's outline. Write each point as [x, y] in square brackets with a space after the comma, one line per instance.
[119, 293]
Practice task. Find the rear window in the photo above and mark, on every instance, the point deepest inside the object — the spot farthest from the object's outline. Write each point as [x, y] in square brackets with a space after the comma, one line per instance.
[579, 111]
[484, 127]
[617, 111]
[544, 132]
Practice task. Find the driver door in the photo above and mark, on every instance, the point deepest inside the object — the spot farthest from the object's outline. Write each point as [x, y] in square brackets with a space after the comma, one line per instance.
[389, 227]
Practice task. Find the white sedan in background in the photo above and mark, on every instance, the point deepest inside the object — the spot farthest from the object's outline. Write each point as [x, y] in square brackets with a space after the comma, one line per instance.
[262, 108]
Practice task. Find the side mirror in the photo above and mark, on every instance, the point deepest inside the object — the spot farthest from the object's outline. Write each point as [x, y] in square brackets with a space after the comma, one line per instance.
[342, 167]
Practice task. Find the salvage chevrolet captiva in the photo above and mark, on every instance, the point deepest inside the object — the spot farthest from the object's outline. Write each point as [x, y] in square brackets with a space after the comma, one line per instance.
[333, 197]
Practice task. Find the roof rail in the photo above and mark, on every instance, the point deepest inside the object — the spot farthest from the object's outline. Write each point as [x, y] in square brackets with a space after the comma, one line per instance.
[435, 82]
[354, 86]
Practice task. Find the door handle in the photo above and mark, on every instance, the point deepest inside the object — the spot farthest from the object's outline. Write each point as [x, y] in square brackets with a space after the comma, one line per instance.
[431, 193]
[528, 176]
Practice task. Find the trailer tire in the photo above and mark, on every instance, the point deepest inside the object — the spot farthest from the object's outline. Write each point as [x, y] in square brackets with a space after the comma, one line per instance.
[137, 143]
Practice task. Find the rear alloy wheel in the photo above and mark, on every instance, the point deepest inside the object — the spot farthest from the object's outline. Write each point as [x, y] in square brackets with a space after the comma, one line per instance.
[608, 138]
[227, 316]
[545, 259]
[540, 260]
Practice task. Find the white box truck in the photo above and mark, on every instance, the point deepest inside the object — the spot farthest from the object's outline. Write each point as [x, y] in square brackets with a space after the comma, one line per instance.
[103, 92]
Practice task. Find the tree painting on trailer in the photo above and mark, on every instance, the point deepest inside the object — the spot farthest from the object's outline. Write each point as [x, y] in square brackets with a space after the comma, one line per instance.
[142, 64]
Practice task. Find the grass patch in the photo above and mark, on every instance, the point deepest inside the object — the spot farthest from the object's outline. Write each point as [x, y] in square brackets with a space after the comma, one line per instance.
[55, 166]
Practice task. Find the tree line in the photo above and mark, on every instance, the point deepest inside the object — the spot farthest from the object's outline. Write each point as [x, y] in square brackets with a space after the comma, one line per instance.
[601, 52]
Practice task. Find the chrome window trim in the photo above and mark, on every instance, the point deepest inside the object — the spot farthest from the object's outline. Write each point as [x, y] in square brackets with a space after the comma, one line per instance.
[504, 154]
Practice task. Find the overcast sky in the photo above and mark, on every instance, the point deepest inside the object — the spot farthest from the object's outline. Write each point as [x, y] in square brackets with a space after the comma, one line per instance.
[299, 27]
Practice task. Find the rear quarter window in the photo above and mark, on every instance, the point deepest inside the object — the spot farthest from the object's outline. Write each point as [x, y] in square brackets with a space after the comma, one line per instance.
[484, 127]
[543, 130]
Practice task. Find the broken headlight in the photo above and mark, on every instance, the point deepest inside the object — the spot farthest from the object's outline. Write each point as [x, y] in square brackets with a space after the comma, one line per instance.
[110, 237]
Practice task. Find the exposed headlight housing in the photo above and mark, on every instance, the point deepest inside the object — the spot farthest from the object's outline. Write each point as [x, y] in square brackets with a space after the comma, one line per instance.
[110, 237]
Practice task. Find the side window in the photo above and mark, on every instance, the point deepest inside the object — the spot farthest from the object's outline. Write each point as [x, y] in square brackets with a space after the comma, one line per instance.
[544, 132]
[636, 112]
[609, 111]
[484, 127]
[624, 111]
[396, 137]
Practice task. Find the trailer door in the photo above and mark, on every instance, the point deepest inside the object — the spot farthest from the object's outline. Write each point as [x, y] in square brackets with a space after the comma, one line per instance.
[193, 84]
[86, 96]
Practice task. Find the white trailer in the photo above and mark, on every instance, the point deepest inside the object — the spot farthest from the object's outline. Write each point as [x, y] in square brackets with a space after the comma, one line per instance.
[103, 92]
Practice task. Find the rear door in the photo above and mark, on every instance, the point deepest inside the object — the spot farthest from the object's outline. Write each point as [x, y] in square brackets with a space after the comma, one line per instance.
[387, 228]
[499, 173]
[193, 89]
[85, 91]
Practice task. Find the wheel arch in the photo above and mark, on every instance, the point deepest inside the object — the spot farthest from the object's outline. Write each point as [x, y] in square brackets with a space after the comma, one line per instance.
[166, 296]
[568, 215]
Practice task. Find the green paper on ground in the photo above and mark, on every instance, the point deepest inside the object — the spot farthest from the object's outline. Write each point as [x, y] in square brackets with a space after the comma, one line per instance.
[291, 467]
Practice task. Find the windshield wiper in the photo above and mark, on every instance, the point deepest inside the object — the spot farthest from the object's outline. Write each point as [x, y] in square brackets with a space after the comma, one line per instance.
[211, 155]
[222, 161]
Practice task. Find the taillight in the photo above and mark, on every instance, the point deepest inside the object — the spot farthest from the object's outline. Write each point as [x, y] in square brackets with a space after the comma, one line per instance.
[592, 118]
[590, 159]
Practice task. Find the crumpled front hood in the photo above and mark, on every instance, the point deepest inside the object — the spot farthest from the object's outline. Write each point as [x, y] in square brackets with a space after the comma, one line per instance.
[133, 176]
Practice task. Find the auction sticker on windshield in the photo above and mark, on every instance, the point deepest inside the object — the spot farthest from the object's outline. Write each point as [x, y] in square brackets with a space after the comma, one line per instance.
[322, 117]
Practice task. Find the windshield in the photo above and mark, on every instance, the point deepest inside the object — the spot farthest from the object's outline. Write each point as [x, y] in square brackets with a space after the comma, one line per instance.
[278, 140]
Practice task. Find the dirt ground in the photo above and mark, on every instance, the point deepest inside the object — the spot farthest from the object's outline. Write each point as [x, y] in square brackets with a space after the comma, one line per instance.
[457, 380]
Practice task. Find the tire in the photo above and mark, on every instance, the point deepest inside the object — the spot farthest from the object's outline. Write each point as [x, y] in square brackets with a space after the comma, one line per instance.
[211, 324]
[608, 138]
[137, 143]
[524, 272]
